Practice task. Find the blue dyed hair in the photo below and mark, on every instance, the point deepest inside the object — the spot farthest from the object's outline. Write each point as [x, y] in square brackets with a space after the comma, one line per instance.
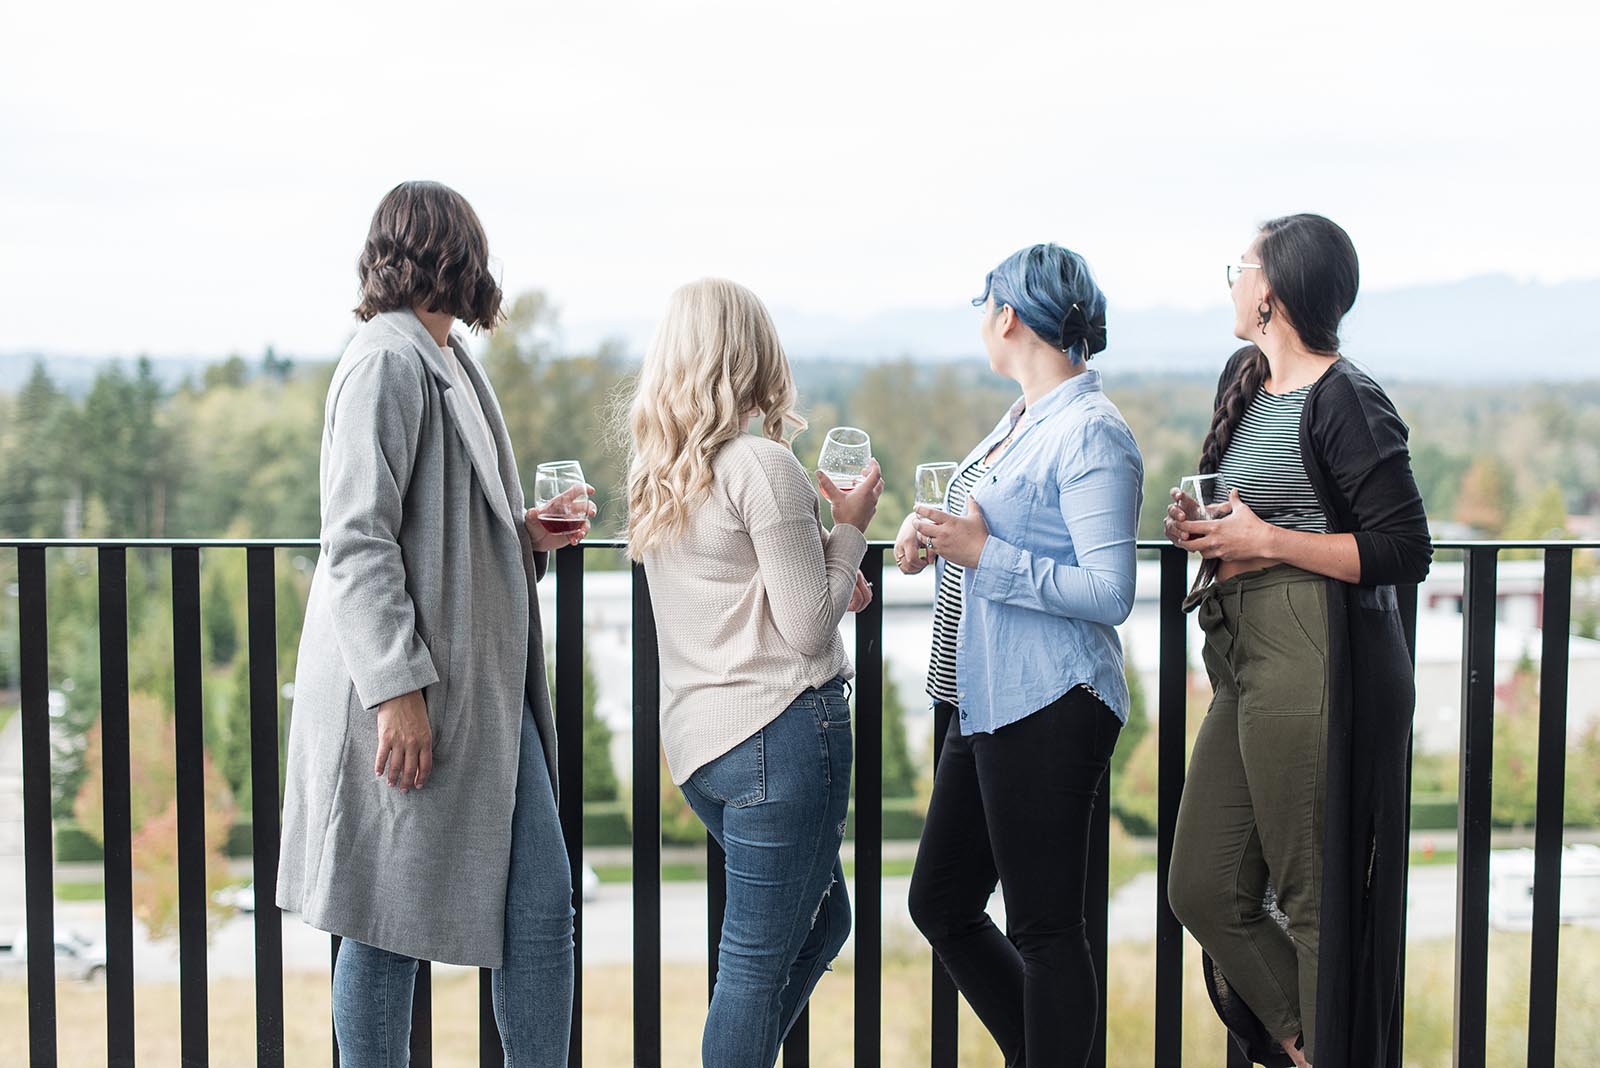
[1051, 290]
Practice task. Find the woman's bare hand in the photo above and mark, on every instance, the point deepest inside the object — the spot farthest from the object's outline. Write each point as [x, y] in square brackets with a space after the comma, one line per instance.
[405, 742]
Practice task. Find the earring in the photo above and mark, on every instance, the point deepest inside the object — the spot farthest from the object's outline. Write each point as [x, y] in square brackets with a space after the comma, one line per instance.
[1264, 316]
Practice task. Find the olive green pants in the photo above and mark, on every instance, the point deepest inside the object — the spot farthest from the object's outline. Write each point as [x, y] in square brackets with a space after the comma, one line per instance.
[1253, 797]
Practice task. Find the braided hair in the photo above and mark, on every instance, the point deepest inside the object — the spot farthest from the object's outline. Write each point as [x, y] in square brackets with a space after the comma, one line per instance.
[1312, 271]
[1236, 397]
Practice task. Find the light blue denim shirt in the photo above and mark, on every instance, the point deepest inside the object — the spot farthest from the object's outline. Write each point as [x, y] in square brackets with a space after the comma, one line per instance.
[1057, 573]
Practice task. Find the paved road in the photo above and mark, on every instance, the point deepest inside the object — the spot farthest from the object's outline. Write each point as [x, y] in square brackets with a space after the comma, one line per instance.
[12, 915]
[608, 926]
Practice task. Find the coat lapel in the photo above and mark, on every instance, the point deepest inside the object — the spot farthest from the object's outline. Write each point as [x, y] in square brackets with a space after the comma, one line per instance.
[492, 476]
[503, 465]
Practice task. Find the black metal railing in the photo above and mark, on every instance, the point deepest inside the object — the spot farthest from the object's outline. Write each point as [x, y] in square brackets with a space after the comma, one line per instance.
[1472, 912]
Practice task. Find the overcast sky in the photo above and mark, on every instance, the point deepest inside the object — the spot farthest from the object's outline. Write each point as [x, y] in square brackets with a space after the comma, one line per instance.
[182, 178]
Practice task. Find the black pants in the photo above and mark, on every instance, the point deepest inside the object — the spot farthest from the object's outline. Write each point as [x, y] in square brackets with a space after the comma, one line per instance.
[1014, 807]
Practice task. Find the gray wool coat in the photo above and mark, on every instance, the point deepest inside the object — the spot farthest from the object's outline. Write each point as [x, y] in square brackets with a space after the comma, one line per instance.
[425, 582]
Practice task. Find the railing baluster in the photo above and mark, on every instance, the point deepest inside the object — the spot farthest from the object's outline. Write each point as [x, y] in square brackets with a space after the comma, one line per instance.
[491, 1054]
[797, 1045]
[716, 908]
[37, 848]
[1096, 909]
[1472, 850]
[189, 729]
[1407, 596]
[946, 1016]
[333, 965]
[646, 829]
[422, 1017]
[869, 818]
[569, 698]
[116, 806]
[1171, 737]
[261, 608]
[1544, 964]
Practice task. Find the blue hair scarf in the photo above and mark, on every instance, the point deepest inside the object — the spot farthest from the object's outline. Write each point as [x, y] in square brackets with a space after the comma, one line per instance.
[1052, 291]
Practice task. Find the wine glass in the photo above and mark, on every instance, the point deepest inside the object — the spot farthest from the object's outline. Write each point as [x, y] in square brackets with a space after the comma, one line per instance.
[933, 482]
[1194, 486]
[933, 486]
[845, 454]
[558, 512]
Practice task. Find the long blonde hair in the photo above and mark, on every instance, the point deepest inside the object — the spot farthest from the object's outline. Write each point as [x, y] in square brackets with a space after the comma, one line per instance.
[715, 359]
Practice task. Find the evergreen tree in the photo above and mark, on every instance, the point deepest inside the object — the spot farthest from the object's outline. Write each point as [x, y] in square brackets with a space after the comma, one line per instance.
[899, 774]
[599, 776]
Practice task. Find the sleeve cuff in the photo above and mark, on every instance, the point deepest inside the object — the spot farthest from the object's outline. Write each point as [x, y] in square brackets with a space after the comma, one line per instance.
[374, 691]
[846, 541]
[997, 569]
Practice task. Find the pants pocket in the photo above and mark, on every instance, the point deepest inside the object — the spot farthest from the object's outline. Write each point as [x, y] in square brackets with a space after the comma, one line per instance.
[1281, 665]
[737, 778]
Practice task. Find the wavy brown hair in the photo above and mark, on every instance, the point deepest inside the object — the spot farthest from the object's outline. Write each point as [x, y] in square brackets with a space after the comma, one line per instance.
[427, 249]
[1313, 275]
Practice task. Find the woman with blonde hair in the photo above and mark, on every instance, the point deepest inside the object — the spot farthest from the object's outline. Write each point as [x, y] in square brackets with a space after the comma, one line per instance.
[749, 589]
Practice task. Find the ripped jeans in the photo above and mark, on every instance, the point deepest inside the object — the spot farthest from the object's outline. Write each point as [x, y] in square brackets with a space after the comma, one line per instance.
[776, 803]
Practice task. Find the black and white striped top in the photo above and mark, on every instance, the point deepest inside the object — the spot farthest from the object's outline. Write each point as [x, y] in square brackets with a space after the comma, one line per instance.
[947, 603]
[1264, 464]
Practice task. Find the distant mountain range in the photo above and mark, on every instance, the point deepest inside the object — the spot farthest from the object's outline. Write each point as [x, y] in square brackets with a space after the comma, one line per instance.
[1473, 331]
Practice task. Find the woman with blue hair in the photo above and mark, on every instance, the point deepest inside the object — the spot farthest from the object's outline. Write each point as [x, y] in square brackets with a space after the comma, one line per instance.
[1035, 567]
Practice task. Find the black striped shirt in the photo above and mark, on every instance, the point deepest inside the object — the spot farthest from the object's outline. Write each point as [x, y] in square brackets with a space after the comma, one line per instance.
[1264, 464]
[947, 603]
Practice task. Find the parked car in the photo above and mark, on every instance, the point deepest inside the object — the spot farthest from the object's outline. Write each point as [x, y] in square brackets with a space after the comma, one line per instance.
[76, 956]
[589, 882]
[242, 898]
[1511, 887]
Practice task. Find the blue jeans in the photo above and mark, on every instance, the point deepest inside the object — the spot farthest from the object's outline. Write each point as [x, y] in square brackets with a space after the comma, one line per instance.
[532, 990]
[776, 803]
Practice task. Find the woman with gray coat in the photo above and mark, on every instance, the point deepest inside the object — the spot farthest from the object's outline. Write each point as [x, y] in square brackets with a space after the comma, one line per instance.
[420, 811]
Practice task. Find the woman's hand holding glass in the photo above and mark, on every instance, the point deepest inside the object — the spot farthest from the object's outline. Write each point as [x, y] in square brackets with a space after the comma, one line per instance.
[854, 507]
[1185, 509]
[958, 538]
[562, 506]
[1234, 532]
[911, 555]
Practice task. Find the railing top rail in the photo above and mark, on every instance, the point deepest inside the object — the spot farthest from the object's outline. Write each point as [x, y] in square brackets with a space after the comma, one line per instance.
[613, 543]
[159, 543]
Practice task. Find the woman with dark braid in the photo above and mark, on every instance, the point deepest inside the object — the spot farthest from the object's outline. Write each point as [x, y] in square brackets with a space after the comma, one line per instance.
[1289, 861]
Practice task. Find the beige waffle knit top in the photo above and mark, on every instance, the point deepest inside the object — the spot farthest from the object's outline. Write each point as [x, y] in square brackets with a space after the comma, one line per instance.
[747, 603]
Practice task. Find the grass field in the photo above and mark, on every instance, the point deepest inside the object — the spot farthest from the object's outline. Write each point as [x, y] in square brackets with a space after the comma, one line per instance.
[608, 1014]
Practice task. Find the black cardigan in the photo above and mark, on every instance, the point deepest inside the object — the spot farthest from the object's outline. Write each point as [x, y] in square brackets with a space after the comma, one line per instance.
[1354, 447]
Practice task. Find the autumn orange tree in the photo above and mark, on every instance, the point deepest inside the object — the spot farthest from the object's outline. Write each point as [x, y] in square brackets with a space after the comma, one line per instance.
[154, 816]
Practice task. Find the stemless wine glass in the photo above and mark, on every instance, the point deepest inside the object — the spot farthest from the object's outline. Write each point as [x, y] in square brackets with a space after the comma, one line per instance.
[1194, 486]
[933, 482]
[845, 454]
[558, 513]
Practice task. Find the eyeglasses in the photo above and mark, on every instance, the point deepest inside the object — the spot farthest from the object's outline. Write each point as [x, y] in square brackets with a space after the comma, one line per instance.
[1235, 270]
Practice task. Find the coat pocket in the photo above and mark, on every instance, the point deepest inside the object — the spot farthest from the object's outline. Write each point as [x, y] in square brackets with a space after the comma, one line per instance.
[437, 696]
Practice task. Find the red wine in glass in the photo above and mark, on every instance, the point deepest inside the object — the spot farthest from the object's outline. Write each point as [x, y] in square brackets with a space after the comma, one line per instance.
[560, 497]
[557, 524]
